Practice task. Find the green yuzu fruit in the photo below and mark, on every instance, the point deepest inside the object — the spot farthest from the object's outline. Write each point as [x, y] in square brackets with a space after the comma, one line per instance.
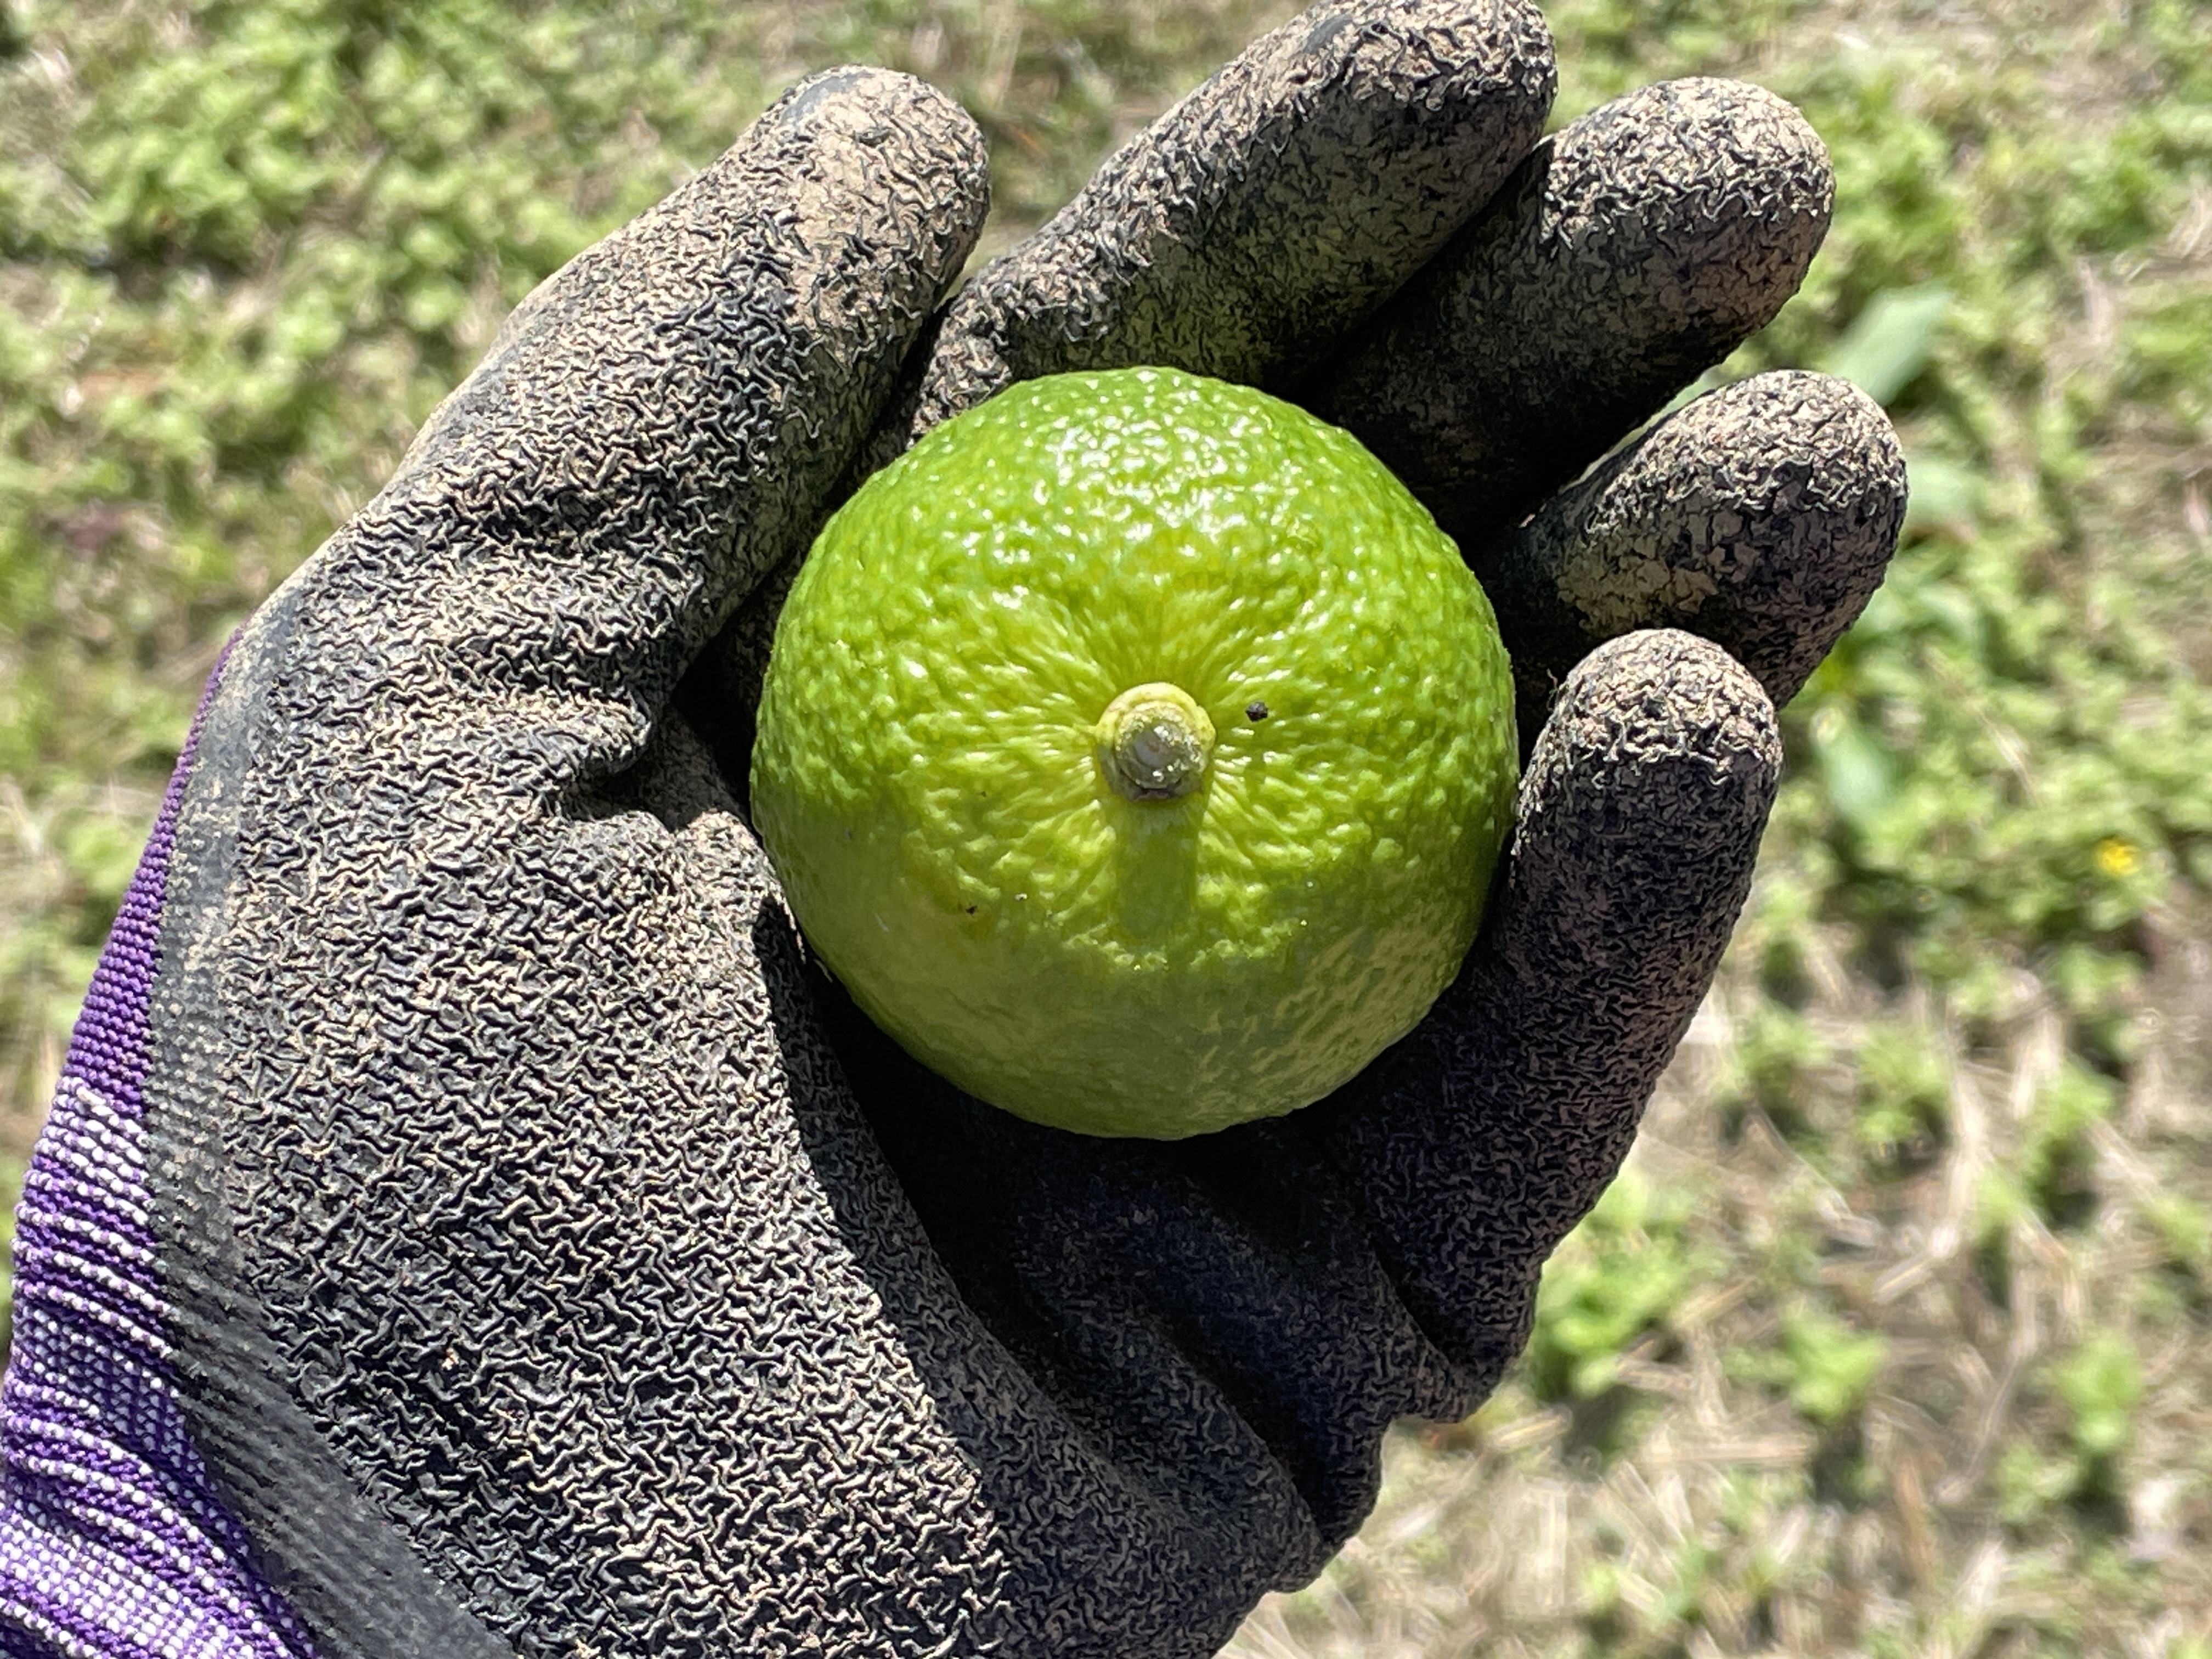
[1137, 751]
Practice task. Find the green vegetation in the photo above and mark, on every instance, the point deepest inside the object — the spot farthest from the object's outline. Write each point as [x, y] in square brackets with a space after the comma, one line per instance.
[1898, 1340]
[1609, 1290]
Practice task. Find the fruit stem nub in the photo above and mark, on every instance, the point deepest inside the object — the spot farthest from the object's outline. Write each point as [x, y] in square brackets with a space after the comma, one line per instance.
[1153, 742]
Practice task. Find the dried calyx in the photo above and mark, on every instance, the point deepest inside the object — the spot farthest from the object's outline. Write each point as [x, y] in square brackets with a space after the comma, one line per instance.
[1153, 742]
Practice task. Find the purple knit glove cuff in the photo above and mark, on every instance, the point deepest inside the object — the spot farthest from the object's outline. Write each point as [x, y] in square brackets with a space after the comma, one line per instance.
[112, 1540]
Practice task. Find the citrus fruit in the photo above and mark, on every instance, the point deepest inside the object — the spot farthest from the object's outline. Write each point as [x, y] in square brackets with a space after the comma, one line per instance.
[1136, 750]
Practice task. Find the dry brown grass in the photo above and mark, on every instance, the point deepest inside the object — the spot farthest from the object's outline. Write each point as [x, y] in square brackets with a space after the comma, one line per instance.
[1728, 1524]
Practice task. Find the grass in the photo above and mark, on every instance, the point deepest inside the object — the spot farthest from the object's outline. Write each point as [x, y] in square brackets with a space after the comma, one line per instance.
[1896, 1337]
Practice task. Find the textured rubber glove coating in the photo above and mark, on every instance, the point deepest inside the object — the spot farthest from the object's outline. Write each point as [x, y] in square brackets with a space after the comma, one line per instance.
[469, 1224]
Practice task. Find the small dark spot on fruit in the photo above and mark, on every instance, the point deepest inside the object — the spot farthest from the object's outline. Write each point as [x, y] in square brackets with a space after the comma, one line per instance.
[971, 910]
[1255, 711]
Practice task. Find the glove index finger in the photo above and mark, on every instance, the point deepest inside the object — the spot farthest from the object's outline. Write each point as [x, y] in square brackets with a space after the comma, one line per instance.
[666, 417]
[1479, 1142]
[1268, 212]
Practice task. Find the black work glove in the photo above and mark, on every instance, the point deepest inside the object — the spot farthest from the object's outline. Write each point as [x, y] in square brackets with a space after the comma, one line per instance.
[469, 1225]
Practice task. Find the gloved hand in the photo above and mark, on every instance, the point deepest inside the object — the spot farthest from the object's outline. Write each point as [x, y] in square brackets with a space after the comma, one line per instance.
[467, 1225]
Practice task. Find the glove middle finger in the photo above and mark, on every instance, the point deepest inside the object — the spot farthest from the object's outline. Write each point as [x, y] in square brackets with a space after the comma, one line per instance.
[1265, 214]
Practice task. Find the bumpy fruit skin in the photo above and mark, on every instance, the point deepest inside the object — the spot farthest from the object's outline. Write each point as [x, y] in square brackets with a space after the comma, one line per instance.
[931, 783]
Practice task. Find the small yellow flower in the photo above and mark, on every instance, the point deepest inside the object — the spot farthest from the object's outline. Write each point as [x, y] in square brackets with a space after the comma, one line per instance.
[2118, 858]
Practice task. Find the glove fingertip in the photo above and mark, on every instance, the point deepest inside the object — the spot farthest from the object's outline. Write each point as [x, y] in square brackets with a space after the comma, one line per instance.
[1761, 516]
[1642, 803]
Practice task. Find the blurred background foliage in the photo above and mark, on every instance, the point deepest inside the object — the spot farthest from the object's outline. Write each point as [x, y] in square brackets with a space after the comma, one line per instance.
[1896, 1337]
